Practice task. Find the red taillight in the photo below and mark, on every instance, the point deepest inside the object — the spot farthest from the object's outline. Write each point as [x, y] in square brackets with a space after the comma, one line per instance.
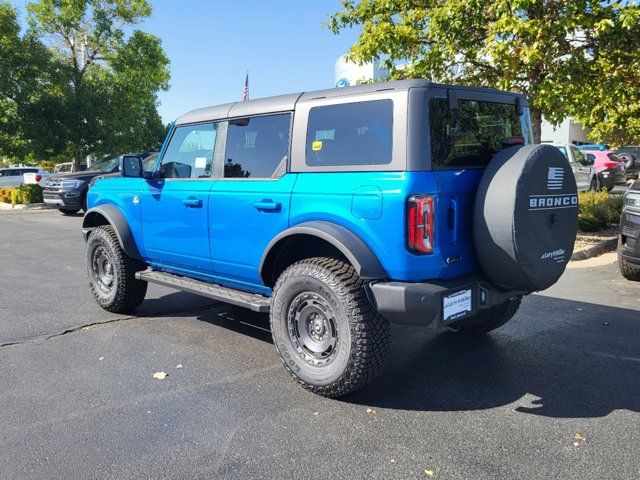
[38, 178]
[610, 165]
[420, 223]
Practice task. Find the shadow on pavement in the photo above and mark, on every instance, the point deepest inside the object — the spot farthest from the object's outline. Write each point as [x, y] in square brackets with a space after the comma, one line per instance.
[583, 365]
[557, 358]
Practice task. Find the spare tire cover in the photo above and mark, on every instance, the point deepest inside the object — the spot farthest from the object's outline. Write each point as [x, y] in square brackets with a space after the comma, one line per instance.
[526, 217]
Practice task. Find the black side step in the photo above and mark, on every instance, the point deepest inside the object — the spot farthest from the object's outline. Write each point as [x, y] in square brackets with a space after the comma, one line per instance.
[253, 301]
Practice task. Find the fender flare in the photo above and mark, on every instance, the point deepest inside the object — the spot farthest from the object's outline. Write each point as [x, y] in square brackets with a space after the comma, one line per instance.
[358, 253]
[116, 219]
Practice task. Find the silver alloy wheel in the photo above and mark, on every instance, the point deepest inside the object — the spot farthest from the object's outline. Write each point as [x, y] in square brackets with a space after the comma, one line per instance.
[102, 267]
[312, 328]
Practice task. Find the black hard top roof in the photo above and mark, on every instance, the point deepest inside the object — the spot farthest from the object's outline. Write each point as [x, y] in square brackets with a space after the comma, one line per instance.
[284, 103]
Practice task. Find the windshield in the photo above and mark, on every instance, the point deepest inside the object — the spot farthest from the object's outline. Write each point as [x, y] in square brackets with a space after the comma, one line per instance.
[577, 154]
[106, 164]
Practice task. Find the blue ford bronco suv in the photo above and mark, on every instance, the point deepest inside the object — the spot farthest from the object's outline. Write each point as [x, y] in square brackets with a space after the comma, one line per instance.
[339, 211]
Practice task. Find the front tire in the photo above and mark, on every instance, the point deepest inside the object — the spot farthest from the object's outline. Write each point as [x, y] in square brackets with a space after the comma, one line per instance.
[329, 336]
[111, 272]
[627, 270]
[487, 320]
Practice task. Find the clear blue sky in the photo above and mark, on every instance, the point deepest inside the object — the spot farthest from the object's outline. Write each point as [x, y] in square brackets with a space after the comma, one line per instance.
[211, 45]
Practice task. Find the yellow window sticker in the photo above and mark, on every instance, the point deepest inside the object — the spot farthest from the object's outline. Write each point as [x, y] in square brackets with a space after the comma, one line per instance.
[316, 146]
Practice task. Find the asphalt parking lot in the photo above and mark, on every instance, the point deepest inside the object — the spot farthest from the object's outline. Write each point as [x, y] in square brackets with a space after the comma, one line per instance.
[553, 394]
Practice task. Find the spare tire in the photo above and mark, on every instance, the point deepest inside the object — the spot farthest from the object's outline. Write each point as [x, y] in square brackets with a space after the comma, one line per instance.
[526, 217]
[628, 159]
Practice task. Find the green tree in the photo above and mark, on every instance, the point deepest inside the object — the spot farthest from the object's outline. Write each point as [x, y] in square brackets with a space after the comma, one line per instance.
[24, 63]
[104, 96]
[570, 57]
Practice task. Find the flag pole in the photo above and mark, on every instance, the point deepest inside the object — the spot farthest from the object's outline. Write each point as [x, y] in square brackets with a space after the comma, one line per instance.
[245, 91]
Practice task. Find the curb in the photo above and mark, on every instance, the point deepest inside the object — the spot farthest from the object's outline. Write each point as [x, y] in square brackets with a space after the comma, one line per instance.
[23, 206]
[595, 250]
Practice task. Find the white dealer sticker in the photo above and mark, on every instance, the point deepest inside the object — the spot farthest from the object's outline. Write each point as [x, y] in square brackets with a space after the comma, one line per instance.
[456, 305]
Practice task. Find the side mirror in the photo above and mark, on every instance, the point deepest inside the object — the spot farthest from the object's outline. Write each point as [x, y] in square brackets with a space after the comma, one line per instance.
[589, 159]
[131, 167]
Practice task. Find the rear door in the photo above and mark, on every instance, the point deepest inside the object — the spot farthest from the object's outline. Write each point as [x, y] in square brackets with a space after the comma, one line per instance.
[175, 209]
[462, 143]
[249, 205]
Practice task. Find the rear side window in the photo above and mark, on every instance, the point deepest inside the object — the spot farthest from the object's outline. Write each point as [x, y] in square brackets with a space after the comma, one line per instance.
[350, 134]
[257, 147]
[190, 151]
[470, 136]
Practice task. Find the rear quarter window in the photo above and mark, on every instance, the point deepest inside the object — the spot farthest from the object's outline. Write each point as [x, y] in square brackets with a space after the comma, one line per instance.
[350, 134]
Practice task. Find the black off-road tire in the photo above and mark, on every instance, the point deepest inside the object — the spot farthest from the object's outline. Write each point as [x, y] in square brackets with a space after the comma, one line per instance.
[628, 271]
[361, 334]
[68, 211]
[124, 293]
[490, 319]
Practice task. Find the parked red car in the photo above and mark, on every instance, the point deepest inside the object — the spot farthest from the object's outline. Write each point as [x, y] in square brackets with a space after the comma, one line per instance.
[609, 169]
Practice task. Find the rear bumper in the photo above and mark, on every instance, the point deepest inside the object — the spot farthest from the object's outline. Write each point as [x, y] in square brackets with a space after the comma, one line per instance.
[611, 178]
[422, 304]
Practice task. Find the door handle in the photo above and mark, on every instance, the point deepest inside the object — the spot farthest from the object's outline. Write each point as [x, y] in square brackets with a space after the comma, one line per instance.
[268, 206]
[192, 202]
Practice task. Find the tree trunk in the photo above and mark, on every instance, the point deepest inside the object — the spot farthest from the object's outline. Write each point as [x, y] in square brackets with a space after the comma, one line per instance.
[75, 165]
[536, 119]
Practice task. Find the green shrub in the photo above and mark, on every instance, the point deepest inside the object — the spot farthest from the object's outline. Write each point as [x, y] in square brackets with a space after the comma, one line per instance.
[5, 194]
[31, 193]
[16, 196]
[597, 210]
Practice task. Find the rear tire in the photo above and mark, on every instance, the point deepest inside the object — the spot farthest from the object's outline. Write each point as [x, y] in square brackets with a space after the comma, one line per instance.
[329, 336]
[487, 320]
[594, 186]
[67, 211]
[111, 272]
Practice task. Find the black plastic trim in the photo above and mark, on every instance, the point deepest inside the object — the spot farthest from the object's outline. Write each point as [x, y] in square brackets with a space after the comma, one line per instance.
[420, 304]
[116, 219]
[348, 243]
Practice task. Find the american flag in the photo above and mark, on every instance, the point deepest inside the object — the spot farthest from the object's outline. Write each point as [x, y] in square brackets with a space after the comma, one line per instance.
[245, 90]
